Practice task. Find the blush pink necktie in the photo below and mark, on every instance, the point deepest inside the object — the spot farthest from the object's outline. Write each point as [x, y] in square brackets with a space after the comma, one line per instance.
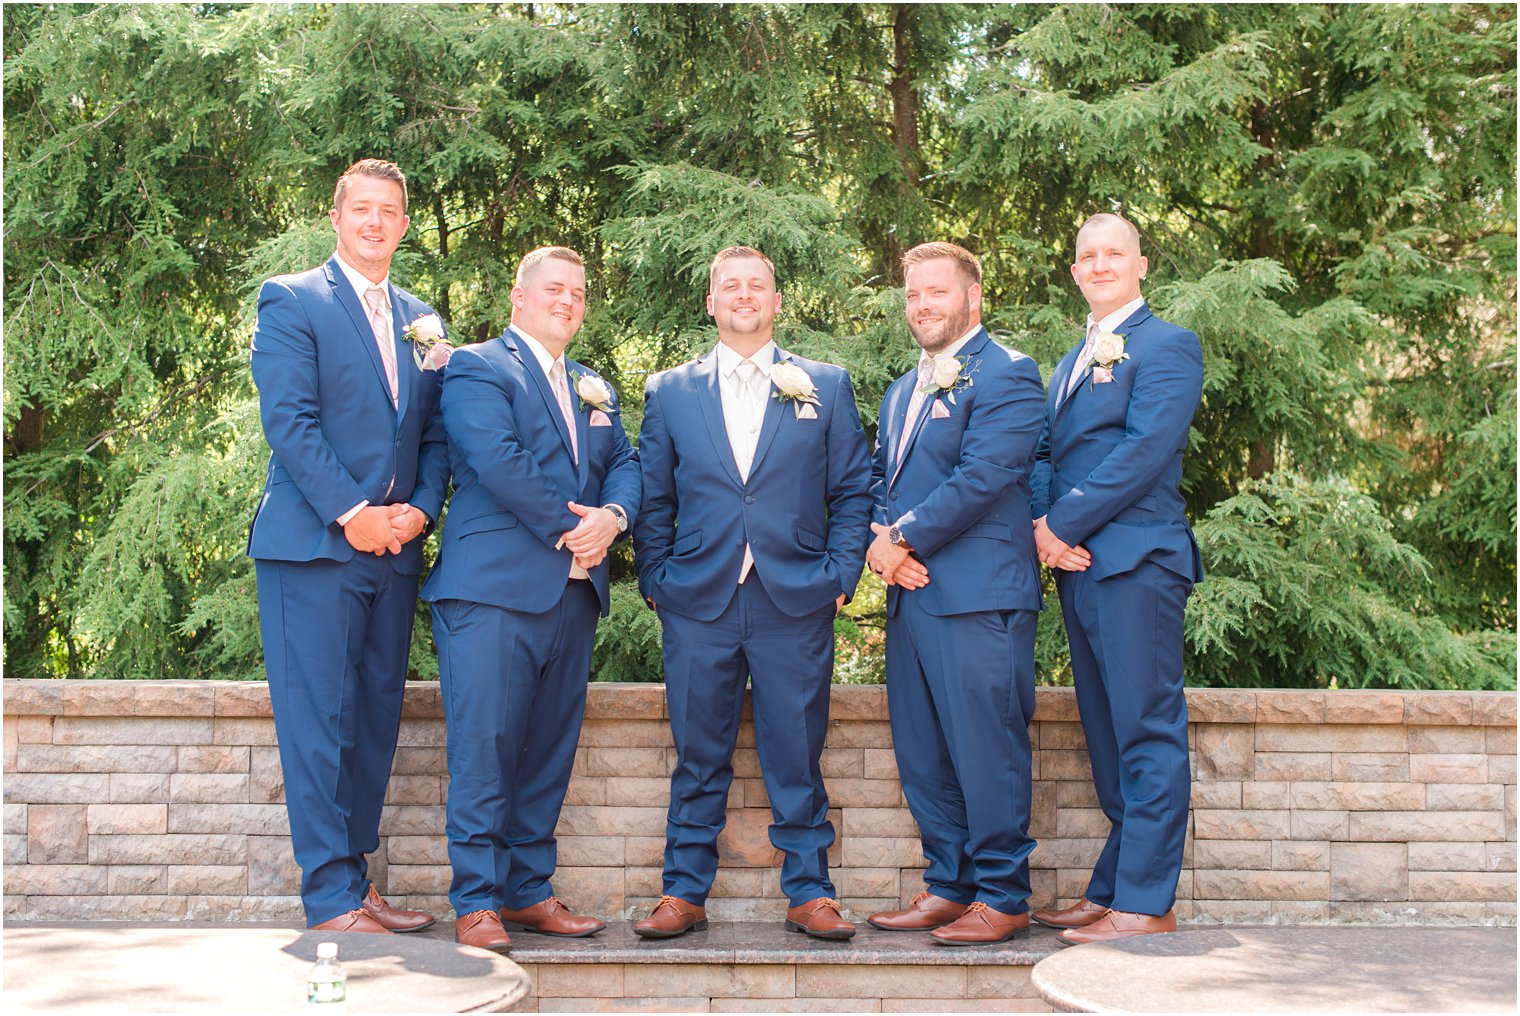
[916, 403]
[562, 394]
[380, 321]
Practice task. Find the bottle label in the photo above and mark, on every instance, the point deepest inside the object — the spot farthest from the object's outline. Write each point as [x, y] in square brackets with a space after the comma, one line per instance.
[320, 992]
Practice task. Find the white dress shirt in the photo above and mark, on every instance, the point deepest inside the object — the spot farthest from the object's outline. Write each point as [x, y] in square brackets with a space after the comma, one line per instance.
[744, 412]
[361, 286]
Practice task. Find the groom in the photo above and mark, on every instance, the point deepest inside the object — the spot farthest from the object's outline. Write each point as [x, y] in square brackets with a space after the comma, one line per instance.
[1109, 517]
[544, 482]
[751, 539]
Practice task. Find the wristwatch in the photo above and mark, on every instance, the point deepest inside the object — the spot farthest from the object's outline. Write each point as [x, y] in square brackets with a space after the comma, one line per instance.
[895, 536]
[620, 515]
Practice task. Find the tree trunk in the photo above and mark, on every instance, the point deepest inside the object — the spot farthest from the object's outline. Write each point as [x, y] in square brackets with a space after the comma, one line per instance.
[905, 106]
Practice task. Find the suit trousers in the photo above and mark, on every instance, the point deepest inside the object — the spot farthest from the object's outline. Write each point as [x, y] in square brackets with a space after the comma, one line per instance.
[960, 694]
[789, 662]
[514, 695]
[1126, 660]
[336, 637]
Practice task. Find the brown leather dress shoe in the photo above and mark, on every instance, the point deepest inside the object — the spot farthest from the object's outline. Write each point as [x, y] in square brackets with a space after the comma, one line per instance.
[355, 920]
[1079, 915]
[819, 918]
[671, 917]
[981, 925]
[483, 930]
[391, 919]
[926, 911]
[551, 917]
[1117, 924]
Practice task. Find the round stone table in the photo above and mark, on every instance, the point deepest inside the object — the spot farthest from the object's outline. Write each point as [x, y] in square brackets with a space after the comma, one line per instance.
[189, 968]
[1280, 969]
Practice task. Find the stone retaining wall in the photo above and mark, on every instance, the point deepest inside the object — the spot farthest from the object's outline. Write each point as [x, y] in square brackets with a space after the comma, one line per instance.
[162, 800]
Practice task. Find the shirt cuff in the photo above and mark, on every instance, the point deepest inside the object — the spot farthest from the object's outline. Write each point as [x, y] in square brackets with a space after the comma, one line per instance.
[348, 516]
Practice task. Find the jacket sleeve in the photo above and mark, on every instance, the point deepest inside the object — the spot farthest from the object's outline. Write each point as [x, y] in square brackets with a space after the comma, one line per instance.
[1168, 383]
[481, 422]
[997, 445]
[284, 364]
[879, 468]
[654, 529]
[432, 463]
[849, 480]
[622, 484]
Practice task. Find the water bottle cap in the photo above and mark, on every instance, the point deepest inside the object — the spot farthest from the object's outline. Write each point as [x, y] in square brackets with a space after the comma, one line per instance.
[327, 950]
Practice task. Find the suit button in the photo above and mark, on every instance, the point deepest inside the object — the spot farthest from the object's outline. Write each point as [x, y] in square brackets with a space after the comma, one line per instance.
[749, 499]
[894, 495]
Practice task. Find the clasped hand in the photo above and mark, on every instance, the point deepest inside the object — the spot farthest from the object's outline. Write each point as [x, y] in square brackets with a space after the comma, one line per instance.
[382, 529]
[1055, 552]
[895, 563]
[589, 540]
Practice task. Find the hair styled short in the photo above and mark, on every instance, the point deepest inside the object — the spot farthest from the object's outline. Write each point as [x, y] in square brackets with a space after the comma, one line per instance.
[538, 256]
[1107, 218]
[377, 169]
[729, 254]
[969, 264]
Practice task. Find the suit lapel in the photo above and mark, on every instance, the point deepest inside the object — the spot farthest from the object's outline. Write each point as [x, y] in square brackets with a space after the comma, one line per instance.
[711, 401]
[772, 421]
[350, 302]
[1125, 328]
[551, 404]
[405, 370]
[582, 428]
[969, 351]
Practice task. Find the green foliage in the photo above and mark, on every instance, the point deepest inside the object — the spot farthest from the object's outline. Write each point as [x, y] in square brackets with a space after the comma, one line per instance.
[628, 639]
[1326, 195]
[1307, 585]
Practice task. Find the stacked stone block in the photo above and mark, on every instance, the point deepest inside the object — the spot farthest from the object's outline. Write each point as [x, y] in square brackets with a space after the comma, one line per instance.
[163, 800]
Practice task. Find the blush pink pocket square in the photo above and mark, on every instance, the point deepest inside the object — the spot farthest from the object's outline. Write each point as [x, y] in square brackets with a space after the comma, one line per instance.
[805, 411]
[939, 412]
[599, 419]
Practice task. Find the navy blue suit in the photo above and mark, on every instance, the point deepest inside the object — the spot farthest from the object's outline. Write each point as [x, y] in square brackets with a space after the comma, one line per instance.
[337, 623]
[804, 511]
[960, 651]
[514, 632]
[1108, 477]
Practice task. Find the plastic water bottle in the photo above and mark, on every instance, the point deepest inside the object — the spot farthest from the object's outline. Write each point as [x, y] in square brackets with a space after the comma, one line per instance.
[327, 984]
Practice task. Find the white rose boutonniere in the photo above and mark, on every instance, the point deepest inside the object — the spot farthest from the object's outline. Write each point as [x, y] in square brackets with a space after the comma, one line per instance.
[793, 384]
[593, 391]
[430, 346]
[950, 376]
[1107, 353]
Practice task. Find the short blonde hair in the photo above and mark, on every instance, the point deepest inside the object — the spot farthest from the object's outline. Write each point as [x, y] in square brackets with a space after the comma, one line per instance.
[377, 169]
[538, 256]
[970, 265]
[1104, 218]
[730, 254]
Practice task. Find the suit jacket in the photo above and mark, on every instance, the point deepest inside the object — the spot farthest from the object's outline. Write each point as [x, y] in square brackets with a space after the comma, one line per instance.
[960, 492]
[335, 438]
[1109, 467]
[514, 474]
[804, 510]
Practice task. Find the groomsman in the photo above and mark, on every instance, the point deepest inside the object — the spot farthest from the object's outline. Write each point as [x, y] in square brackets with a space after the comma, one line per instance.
[544, 482]
[950, 485]
[1110, 519]
[357, 474]
[754, 520]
